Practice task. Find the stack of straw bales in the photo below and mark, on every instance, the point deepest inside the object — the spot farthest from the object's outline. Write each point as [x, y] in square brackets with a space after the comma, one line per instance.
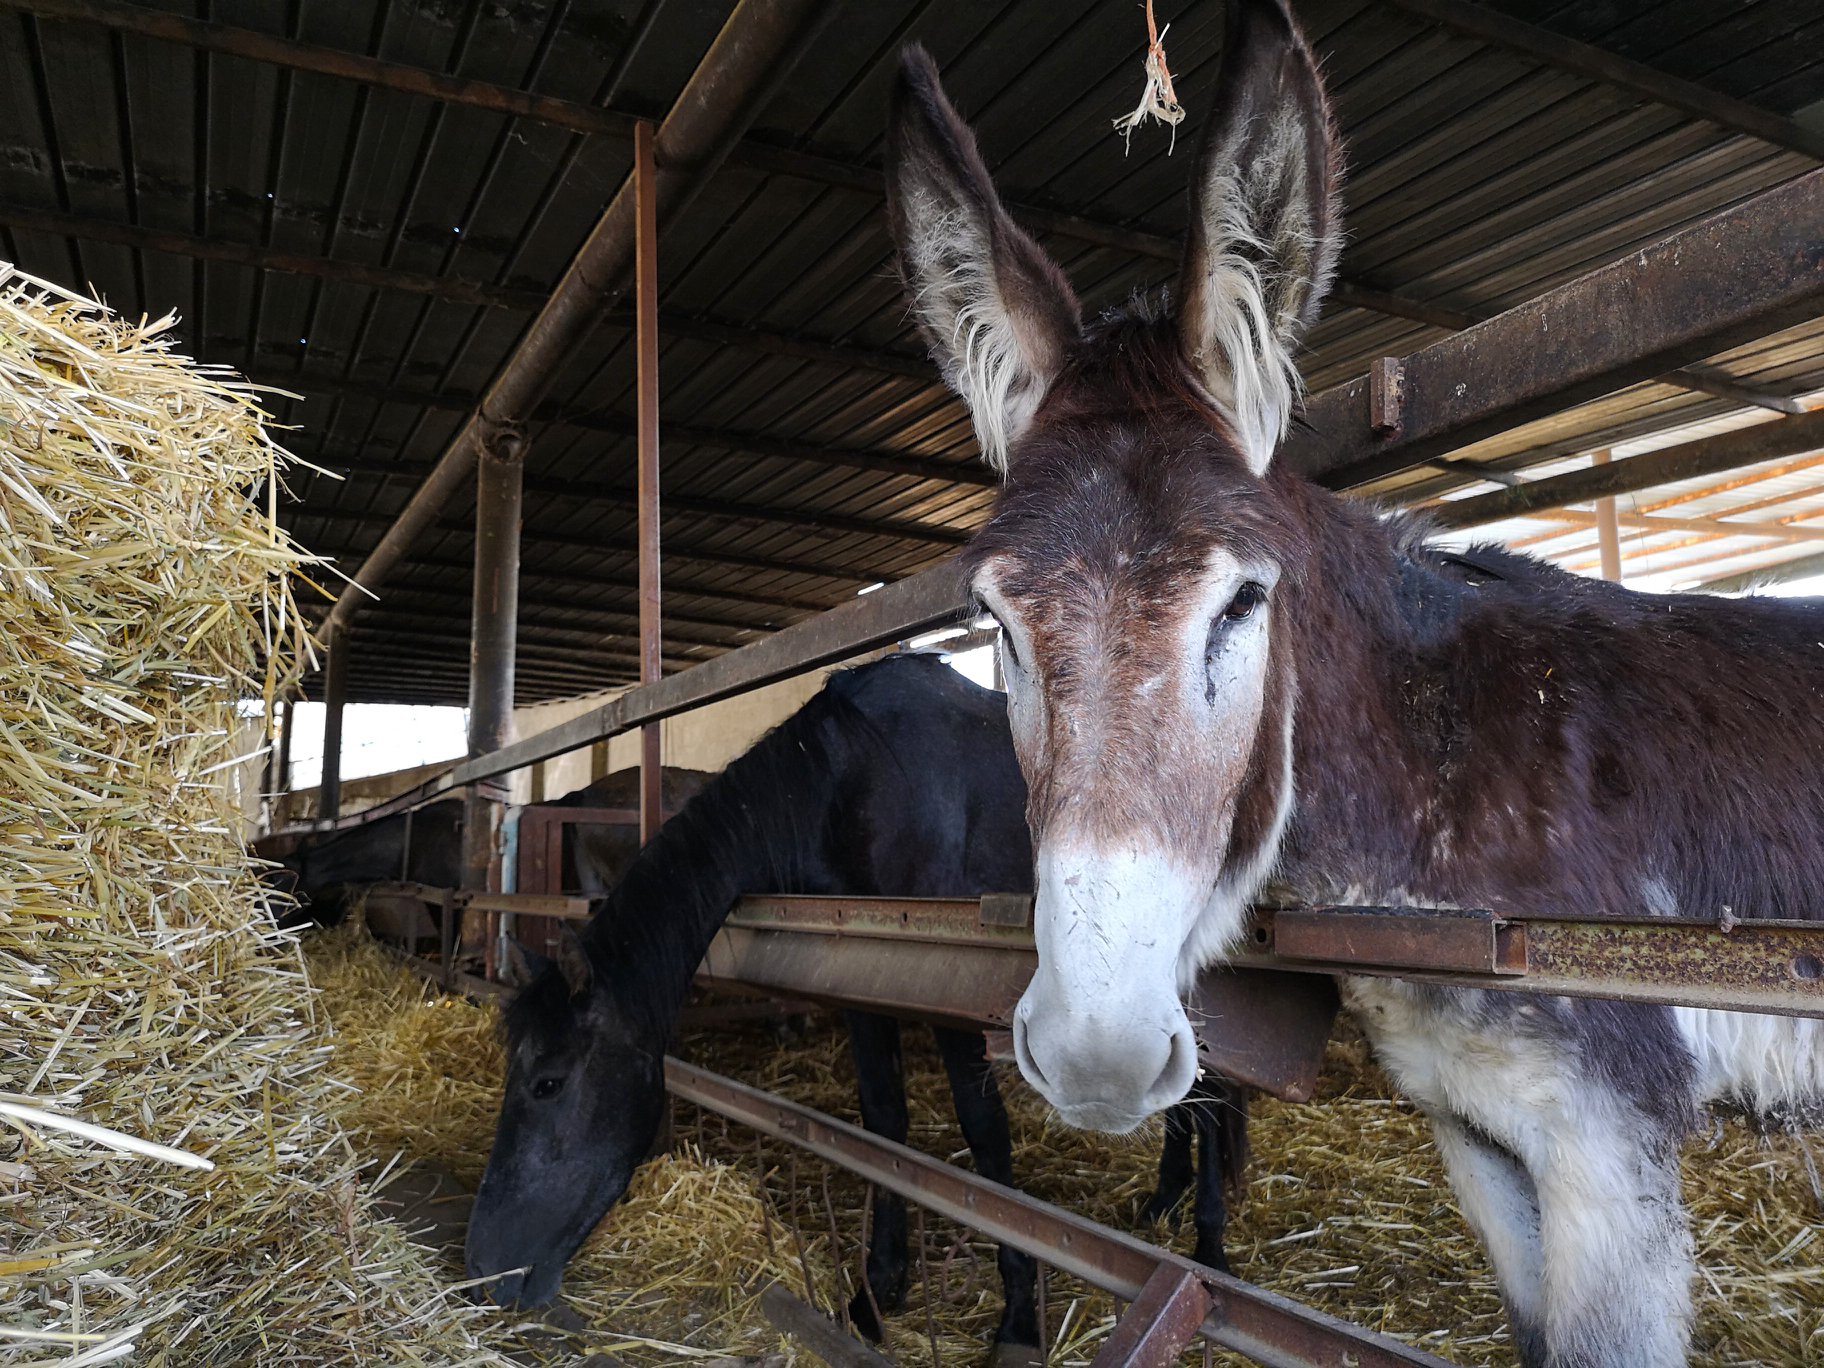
[143, 989]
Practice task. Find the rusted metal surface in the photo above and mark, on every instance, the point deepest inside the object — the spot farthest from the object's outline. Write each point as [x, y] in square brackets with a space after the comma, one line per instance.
[646, 357]
[1166, 1316]
[335, 699]
[932, 598]
[1687, 461]
[1387, 396]
[816, 1332]
[1745, 273]
[965, 963]
[1268, 1328]
[1264, 1027]
[755, 51]
[1450, 939]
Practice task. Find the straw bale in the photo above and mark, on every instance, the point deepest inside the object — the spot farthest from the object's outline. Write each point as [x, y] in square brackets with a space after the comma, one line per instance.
[144, 593]
[1347, 1208]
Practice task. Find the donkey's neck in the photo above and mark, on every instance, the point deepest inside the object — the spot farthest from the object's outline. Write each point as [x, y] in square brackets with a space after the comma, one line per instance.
[760, 826]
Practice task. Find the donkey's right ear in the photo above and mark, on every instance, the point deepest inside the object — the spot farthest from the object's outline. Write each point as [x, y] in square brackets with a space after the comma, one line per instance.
[998, 314]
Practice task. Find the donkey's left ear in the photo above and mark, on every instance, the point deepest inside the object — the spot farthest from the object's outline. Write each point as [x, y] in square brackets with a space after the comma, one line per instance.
[1265, 230]
[998, 314]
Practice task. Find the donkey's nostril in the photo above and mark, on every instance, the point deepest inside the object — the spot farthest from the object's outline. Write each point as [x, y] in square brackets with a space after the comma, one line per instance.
[1180, 1071]
[1022, 1052]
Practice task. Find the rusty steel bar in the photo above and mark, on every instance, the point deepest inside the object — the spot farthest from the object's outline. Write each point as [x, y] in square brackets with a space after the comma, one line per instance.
[932, 598]
[335, 699]
[1166, 1316]
[1768, 441]
[646, 338]
[755, 51]
[1741, 274]
[823, 1337]
[1268, 1328]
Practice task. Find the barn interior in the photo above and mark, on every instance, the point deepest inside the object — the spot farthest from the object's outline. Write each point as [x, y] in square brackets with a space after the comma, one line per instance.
[374, 211]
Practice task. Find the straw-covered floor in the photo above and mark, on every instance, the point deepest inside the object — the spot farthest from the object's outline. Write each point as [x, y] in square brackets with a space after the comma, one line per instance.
[1346, 1207]
[143, 989]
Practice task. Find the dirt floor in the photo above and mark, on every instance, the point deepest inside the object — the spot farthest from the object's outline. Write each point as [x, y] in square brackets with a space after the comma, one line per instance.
[1346, 1206]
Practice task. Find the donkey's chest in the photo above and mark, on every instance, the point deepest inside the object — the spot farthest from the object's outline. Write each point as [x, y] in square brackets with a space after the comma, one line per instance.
[1456, 1051]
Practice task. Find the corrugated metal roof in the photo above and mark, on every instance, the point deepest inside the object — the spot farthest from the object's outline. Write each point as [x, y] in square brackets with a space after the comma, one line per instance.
[1479, 178]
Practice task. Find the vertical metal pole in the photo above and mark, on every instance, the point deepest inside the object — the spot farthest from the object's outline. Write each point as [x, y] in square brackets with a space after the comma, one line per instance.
[646, 330]
[335, 694]
[1608, 529]
[278, 770]
[493, 632]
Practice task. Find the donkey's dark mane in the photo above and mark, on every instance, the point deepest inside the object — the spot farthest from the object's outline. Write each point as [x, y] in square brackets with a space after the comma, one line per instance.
[746, 829]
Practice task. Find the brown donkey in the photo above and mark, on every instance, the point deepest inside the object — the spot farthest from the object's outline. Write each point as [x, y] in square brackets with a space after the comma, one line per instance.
[1217, 671]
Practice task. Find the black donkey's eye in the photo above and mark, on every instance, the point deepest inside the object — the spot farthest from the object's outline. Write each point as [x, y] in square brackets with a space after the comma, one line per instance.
[547, 1088]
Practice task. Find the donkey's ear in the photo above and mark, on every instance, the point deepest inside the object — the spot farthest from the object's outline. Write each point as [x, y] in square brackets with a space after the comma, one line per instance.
[523, 964]
[998, 314]
[574, 964]
[1264, 232]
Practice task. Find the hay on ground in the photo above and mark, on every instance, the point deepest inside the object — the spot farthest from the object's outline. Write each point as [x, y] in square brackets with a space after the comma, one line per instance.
[143, 987]
[1347, 1208]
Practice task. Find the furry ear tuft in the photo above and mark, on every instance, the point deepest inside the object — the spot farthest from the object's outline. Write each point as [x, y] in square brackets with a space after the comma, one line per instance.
[997, 313]
[574, 964]
[1265, 231]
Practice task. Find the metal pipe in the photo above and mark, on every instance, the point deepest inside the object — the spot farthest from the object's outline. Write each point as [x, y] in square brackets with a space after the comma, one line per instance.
[646, 339]
[493, 635]
[1269, 1328]
[1608, 529]
[755, 51]
[335, 695]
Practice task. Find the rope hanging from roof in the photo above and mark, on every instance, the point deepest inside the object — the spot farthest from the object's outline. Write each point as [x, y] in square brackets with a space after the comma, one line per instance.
[1158, 100]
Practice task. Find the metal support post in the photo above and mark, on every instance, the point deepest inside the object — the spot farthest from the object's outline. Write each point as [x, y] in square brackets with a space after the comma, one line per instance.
[1608, 528]
[493, 628]
[646, 331]
[335, 695]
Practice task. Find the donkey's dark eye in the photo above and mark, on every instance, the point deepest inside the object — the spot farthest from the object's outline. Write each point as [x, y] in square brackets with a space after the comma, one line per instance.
[1246, 600]
[547, 1088]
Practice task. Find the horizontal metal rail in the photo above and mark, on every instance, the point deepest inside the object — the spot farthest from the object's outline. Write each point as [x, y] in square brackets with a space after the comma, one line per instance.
[1745, 273]
[1266, 1327]
[932, 598]
[1745, 966]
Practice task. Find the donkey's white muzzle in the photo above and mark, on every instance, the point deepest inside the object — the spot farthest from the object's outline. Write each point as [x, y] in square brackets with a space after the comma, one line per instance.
[1100, 1031]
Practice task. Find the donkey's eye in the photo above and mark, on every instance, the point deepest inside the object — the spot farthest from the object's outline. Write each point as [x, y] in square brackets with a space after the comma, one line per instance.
[547, 1088]
[1247, 599]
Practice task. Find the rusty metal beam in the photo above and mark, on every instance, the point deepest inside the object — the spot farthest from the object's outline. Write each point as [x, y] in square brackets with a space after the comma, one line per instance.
[932, 598]
[1611, 68]
[335, 699]
[1154, 1330]
[646, 338]
[1261, 1324]
[756, 51]
[1688, 461]
[1744, 273]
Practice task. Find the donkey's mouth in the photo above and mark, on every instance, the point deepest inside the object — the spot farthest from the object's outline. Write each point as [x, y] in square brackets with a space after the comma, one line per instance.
[1099, 1116]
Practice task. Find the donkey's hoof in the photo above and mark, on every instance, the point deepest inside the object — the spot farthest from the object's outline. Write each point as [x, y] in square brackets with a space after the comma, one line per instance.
[862, 1317]
[1007, 1354]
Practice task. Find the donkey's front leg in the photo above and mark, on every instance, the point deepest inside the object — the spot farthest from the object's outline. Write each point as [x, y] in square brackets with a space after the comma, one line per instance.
[1618, 1253]
[881, 1082]
[1496, 1196]
[983, 1117]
